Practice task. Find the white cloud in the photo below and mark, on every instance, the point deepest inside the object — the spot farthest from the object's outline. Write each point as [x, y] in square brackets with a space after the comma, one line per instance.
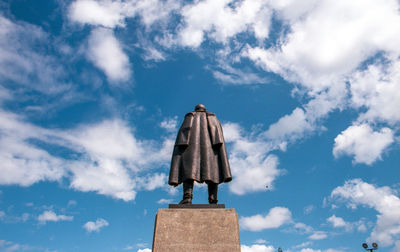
[156, 11]
[363, 142]
[308, 209]
[114, 157]
[106, 13]
[152, 182]
[111, 160]
[72, 203]
[144, 250]
[106, 53]
[229, 74]
[275, 218]
[52, 216]
[318, 235]
[22, 162]
[91, 226]
[303, 228]
[382, 199]
[290, 126]
[319, 250]
[320, 66]
[164, 201]
[248, 156]
[260, 241]
[2, 214]
[170, 124]
[24, 59]
[376, 88]
[112, 14]
[222, 20]
[303, 244]
[396, 247]
[337, 221]
[257, 248]
[310, 56]
[8, 246]
[326, 71]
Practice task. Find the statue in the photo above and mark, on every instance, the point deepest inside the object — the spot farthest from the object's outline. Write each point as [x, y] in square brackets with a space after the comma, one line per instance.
[199, 155]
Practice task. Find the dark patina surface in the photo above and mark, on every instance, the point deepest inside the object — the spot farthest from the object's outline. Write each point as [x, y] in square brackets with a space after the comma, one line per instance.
[200, 155]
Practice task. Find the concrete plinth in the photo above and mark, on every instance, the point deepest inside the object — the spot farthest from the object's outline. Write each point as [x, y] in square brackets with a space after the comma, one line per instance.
[199, 230]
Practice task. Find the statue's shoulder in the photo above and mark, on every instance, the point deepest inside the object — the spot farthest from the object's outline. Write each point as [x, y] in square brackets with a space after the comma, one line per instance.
[210, 114]
[190, 114]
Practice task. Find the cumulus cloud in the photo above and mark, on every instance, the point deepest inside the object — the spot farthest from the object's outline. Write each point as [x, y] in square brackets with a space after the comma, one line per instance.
[338, 222]
[95, 226]
[310, 56]
[47, 216]
[106, 13]
[376, 89]
[320, 66]
[327, 50]
[113, 14]
[275, 218]
[382, 199]
[106, 53]
[111, 161]
[290, 127]
[362, 142]
[331, 74]
[221, 20]
[248, 156]
[114, 157]
[257, 248]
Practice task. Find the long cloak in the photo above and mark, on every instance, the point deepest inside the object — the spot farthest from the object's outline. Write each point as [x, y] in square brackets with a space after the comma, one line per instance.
[199, 151]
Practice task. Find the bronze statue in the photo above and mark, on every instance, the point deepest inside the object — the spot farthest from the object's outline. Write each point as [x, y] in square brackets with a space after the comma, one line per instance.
[199, 155]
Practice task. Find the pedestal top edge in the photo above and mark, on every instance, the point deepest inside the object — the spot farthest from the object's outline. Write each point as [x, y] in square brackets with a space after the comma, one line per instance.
[196, 206]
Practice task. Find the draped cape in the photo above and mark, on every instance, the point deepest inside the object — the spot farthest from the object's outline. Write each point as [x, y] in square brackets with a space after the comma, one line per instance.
[199, 151]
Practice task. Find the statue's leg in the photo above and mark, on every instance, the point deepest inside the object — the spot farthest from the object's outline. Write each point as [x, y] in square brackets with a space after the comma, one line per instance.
[187, 192]
[212, 193]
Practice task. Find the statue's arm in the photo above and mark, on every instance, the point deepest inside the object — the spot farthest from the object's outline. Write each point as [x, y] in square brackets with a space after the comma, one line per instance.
[184, 131]
[215, 129]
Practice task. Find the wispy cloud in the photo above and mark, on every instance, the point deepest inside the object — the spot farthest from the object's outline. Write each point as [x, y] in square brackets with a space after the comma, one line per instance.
[47, 216]
[95, 226]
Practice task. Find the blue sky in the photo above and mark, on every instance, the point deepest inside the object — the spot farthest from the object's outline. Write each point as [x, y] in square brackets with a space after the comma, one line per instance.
[92, 94]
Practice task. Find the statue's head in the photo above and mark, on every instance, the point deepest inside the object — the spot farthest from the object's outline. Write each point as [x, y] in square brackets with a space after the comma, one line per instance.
[200, 108]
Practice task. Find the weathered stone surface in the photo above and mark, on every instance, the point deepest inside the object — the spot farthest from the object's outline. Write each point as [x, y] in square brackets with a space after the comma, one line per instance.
[199, 230]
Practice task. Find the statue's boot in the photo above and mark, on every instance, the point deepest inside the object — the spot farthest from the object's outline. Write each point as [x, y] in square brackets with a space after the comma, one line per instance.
[212, 193]
[187, 192]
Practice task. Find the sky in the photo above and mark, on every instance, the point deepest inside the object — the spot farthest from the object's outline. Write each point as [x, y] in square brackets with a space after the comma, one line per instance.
[92, 94]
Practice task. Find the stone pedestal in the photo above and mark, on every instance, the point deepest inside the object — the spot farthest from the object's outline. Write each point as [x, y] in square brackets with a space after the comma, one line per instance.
[196, 229]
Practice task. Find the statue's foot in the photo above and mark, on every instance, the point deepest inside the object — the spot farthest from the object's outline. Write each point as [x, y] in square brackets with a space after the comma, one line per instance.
[211, 200]
[185, 201]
